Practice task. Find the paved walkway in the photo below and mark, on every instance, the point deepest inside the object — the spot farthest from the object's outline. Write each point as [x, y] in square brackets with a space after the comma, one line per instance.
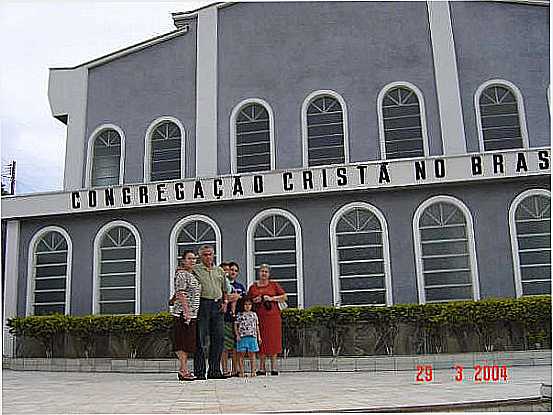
[64, 392]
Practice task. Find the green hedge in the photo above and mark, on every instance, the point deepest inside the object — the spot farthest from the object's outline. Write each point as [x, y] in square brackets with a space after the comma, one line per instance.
[531, 314]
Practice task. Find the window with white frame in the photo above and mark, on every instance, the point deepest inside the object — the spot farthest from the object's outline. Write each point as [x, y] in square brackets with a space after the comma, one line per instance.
[325, 131]
[165, 151]
[106, 158]
[117, 276]
[195, 233]
[445, 254]
[531, 218]
[500, 120]
[253, 138]
[275, 242]
[50, 274]
[402, 123]
[361, 260]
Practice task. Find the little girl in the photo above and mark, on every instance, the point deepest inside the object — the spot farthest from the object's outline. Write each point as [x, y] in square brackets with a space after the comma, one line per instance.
[246, 327]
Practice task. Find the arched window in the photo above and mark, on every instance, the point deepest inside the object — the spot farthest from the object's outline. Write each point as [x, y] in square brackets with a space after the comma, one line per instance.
[445, 252]
[164, 155]
[324, 125]
[49, 273]
[500, 116]
[106, 151]
[191, 233]
[402, 121]
[252, 137]
[117, 269]
[274, 238]
[530, 223]
[360, 256]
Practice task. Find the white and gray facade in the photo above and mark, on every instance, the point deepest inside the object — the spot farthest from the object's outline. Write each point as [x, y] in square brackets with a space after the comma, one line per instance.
[371, 152]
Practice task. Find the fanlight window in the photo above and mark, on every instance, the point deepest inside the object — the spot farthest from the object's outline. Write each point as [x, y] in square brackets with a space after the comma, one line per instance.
[403, 131]
[118, 256]
[360, 253]
[500, 119]
[106, 158]
[253, 139]
[166, 152]
[193, 235]
[533, 233]
[275, 245]
[325, 131]
[444, 238]
[50, 274]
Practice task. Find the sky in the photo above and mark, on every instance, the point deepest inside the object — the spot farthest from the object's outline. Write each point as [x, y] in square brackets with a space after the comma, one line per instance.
[38, 35]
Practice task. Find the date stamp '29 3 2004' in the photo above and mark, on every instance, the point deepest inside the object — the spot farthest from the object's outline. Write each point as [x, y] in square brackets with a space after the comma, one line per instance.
[482, 373]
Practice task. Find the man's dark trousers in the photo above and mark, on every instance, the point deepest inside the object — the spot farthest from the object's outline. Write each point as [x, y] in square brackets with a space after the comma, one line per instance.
[210, 335]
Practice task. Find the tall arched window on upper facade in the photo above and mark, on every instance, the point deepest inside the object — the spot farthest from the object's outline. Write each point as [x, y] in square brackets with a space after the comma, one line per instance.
[117, 269]
[49, 272]
[500, 116]
[190, 233]
[445, 252]
[252, 137]
[360, 256]
[402, 121]
[106, 153]
[165, 153]
[530, 223]
[324, 128]
[274, 238]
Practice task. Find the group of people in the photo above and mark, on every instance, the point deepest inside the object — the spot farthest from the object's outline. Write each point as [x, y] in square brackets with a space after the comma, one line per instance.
[216, 317]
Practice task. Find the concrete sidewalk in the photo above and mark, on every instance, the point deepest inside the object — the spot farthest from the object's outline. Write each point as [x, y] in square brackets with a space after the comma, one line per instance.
[64, 392]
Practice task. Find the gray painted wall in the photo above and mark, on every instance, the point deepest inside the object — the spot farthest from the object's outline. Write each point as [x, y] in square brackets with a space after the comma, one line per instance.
[507, 41]
[489, 203]
[281, 52]
[134, 90]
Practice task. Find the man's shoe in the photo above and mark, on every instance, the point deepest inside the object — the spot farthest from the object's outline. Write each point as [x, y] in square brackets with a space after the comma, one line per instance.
[274, 372]
[200, 377]
[217, 376]
[261, 373]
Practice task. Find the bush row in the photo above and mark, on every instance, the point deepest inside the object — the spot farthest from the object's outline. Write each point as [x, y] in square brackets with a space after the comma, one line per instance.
[532, 315]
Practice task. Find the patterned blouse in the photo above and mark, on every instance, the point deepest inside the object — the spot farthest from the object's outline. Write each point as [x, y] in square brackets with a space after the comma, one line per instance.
[189, 284]
[247, 323]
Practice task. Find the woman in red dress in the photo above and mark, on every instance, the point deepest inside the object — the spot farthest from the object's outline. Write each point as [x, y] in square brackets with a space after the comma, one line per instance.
[266, 295]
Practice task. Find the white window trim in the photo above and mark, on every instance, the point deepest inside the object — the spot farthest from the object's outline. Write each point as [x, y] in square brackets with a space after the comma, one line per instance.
[299, 251]
[234, 115]
[96, 263]
[31, 269]
[471, 244]
[334, 249]
[305, 105]
[422, 107]
[513, 234]
[520, 107]
[148, 146]
[173, 251]
[90, 153]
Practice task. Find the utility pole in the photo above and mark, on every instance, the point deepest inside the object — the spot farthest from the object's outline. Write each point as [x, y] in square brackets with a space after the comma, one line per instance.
[12, 178]
[8, 173]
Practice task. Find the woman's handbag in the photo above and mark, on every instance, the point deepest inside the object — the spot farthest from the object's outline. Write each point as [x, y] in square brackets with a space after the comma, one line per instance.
[282, 305]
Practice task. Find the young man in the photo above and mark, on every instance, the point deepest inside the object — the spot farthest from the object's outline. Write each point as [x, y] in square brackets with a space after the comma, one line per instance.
[237, 291]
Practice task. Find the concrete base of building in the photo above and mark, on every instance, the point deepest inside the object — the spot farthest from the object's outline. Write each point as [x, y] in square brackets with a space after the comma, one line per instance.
[296, 364]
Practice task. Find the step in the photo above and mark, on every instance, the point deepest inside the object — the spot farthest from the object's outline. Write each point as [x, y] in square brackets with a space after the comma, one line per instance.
[295, 364]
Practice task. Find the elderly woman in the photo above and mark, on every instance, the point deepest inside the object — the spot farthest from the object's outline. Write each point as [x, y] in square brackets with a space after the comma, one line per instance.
[185, 309]
[266, 295]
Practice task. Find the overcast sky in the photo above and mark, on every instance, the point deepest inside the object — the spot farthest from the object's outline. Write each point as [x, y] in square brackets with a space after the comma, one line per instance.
[37, 35]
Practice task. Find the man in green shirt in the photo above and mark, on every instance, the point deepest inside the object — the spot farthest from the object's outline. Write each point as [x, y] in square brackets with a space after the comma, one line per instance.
[213, 303]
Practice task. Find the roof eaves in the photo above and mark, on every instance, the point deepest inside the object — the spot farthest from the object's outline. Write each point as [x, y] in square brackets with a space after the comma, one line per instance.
[129, 49]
